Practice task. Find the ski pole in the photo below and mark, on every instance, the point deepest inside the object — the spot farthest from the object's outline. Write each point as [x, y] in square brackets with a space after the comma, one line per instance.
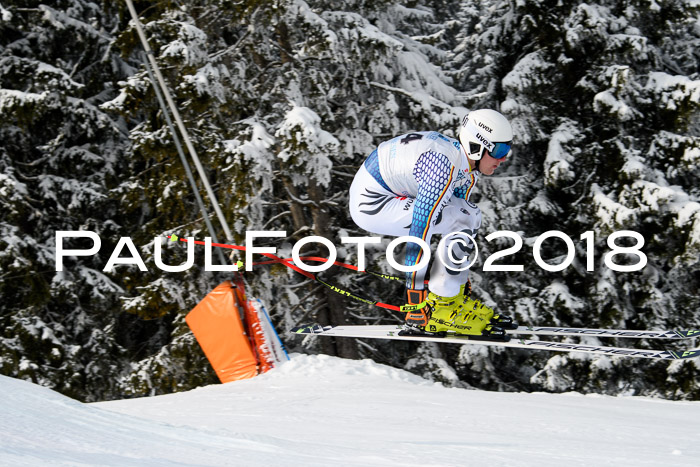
[288, 262]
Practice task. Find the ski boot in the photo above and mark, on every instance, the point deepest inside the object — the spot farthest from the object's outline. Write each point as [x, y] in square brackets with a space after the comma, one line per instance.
[448, 315]
[497, 319]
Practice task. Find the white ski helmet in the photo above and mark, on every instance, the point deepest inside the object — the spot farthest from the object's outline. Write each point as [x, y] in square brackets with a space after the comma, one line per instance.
[485, 130]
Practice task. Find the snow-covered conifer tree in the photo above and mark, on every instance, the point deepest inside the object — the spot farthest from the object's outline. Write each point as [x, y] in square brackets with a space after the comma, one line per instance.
[603, 98]
[60, 154]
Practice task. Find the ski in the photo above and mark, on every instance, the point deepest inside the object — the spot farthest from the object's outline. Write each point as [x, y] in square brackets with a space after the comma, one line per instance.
[634, 334]
[555, 331]
[392, 332]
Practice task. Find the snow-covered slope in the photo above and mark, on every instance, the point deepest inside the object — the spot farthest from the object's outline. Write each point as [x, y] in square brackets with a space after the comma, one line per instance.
[320, 410]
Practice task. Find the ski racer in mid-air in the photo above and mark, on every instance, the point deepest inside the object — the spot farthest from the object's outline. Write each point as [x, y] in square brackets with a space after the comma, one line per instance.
[419, 184]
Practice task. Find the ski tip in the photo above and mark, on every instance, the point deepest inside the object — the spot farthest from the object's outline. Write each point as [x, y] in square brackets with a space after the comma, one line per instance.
[689, 333]
[686, 354]
[298, 329]
[308, 329]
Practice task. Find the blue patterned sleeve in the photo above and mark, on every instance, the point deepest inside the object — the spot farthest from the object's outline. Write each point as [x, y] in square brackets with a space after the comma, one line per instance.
[465, 190]
[461, 192]
[434, 173]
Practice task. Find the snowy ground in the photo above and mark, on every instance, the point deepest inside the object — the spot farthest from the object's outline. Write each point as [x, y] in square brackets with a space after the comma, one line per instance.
[319, 410]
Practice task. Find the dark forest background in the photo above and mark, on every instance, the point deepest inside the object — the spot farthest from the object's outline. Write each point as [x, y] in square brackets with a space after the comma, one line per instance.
[283, 101]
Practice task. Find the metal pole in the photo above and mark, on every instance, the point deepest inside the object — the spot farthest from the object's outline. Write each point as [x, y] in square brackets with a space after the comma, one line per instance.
[183, 158]
[178, 120]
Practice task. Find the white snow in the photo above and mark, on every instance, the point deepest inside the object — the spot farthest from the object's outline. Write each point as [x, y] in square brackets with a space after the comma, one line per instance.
[321, 410]
[207, 81]
[610, 214]
[11, 98]
[673, 90]
[301, 128]
[190, 45]
[5, 15]
[559, 160]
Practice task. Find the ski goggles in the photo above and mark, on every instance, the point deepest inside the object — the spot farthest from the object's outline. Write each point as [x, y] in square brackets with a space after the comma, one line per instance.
[500, 150]
[496, 150]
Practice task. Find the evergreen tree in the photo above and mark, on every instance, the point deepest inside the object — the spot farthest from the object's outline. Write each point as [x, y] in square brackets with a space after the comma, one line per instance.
[602, 98]
[291, 117]
[59, 155]
[283, 101]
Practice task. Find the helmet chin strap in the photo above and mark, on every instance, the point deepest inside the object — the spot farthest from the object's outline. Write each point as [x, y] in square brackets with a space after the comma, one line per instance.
[477, 163]
[470, 160]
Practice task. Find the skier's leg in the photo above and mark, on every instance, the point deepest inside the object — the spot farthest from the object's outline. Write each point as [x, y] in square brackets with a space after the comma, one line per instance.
[377, 210]
[460, 221]
[447, 282]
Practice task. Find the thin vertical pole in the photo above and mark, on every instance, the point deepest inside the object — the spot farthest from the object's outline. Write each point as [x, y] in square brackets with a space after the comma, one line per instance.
[178, 121]
[183, 158]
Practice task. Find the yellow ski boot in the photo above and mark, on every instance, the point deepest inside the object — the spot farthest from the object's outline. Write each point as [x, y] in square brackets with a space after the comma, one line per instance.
[475, 306]
[438, 316]
[450, 315]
